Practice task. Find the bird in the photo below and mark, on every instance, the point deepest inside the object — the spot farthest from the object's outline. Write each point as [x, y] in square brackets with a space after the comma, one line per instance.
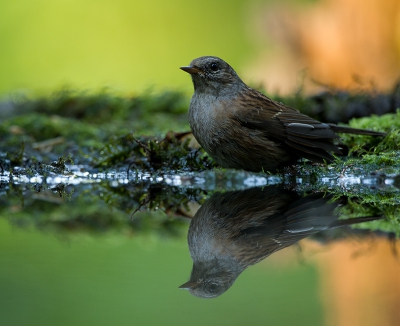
[236, 229]
[241, 128]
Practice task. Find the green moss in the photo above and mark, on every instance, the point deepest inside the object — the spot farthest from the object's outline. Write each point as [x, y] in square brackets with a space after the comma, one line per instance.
[389, 123]
[156, 112]
[170, 153]
[109, 131]
[384, 122]
[383, 204]
[37, 127]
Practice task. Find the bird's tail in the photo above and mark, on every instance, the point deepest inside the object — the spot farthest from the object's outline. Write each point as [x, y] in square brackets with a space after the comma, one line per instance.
[356, 220]
[348, 130]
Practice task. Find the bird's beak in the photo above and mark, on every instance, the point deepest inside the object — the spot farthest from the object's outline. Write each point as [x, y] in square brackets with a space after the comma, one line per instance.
[190, 285]
[191, 70]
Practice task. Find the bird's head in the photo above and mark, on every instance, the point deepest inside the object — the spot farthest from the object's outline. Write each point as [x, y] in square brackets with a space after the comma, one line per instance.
[212, 74]
[209, 287]
[211, 278]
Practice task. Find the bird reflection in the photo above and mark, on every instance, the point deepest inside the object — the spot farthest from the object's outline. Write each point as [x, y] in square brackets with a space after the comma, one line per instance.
[234, 230]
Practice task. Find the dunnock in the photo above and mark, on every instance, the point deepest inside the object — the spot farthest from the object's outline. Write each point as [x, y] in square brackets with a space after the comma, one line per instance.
[234, 230]
[243, 129]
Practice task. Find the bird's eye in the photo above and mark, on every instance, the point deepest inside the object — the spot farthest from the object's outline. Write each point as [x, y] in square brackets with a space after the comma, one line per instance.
[213, 287]
[214, 66]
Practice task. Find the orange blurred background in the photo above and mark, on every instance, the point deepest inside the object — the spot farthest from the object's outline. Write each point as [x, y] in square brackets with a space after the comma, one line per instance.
[348, 44]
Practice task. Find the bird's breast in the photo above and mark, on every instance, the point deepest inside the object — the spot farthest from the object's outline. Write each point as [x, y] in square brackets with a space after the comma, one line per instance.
[208, 117]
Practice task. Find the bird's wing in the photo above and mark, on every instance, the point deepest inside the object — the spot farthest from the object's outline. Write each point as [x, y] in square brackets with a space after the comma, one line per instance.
[300, 219]
[302, 134]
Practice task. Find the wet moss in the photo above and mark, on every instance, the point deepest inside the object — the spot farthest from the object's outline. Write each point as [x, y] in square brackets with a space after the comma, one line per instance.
[389, 123]
[104, 130]
[170, 153]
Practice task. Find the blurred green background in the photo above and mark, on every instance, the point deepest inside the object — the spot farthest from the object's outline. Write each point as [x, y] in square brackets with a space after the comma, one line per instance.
[109, 280]
[127, 45]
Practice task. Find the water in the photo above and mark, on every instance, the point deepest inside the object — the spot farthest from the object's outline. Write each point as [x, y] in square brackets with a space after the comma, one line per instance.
[92, 247]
